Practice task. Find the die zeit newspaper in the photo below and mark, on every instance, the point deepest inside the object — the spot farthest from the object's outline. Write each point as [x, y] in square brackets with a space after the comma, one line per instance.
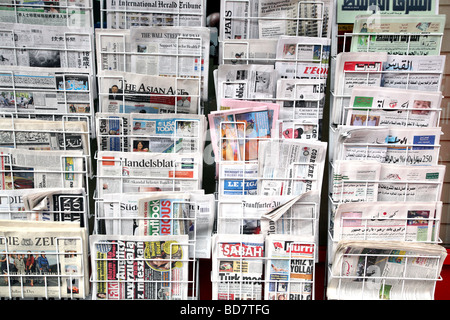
[134, 268]
[237, 267]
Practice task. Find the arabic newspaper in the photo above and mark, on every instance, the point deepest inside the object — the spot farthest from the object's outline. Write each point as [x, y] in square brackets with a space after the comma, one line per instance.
[141, 171]
[28, 169]
[289, 269]
[32, 90]
[43, 260]
[394, 107]
[125, 92]
[56, 47]
[302, 57]
[124, 14]
[237, 267]
[407, 35]
[385, 270]
[71, 13]
[162, 133]
[290, 167]
[249, 51]
[135, 268]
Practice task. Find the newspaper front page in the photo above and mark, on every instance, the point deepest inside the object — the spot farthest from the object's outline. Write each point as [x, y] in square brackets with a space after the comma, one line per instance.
[139, 268]
[249, 51]
[237, 267]
[289, 269]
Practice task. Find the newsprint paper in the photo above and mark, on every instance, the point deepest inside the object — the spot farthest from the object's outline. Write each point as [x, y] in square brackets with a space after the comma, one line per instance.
[44, 260]
[139, 268]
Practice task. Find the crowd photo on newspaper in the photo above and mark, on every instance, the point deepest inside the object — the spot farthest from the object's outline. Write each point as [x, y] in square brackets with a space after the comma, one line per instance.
[229, 150]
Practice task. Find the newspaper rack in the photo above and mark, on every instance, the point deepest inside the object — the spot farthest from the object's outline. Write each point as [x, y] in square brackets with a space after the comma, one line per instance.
[51, 284]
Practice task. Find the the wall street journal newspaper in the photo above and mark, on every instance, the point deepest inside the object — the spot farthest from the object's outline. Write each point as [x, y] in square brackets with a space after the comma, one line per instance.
[124, 14]
[385, 270]
[56, 47]
[125, 92]
[237, 267]
[408, 35]
[28, 169]
[289, 269]
[43, 259]
[139, 268]
[73, 13]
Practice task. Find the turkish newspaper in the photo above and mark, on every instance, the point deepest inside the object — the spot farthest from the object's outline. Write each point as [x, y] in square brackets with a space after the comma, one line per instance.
[73, 13]
[43, 260]
[28, 169]
[385, 270]
[144, 172]
[388, 145]
[56, 47]
[126, 92]
[251, 51]
[31, 90]
[290, 167]
[404, 35]
[139, 268]
[289, 269]
[162, 133]
[237, 267]
[124, 14]
[372, 106]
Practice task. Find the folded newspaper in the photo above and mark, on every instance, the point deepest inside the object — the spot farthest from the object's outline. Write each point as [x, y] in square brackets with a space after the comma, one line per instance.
[385, 270]
[44, 260]
[139, 268]
[250, 51]
[126, 92]
[289, 269]
[237, 267]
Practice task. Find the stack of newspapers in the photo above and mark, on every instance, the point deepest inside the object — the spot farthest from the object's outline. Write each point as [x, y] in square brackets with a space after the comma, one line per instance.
[153, 220]
[46, 107]
[386, 180]
[265, 134]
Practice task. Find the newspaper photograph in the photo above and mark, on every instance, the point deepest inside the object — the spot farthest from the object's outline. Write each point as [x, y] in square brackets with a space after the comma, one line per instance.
[139, 268]
[249, 51]
[404, 35]
[302, 57]
[46, 260]
[289, 269]
[385, 270]
[290, 167]
[296, 129]
[32, 169]
[144, 172]
[70, 13]
[30, 90]
[160, 133]
[125, 92]
[138, 13]
[370, 106]
[237, 267]
[57, 47]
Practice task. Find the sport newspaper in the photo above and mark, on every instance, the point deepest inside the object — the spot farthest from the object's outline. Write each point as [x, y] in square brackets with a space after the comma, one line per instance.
[56, 47]
[126, 92]
[139, 268]
[71, 13]
[58, 252]
[123, 172]
[403, 146]
[379, 69]
[402, 35]
[28, 169]
[124, 14]
[265, 19]
[237, 267]
[45, 91]
[181, 52]
[162, 213]
[289, 269]
[385, 270]
[161, 133]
